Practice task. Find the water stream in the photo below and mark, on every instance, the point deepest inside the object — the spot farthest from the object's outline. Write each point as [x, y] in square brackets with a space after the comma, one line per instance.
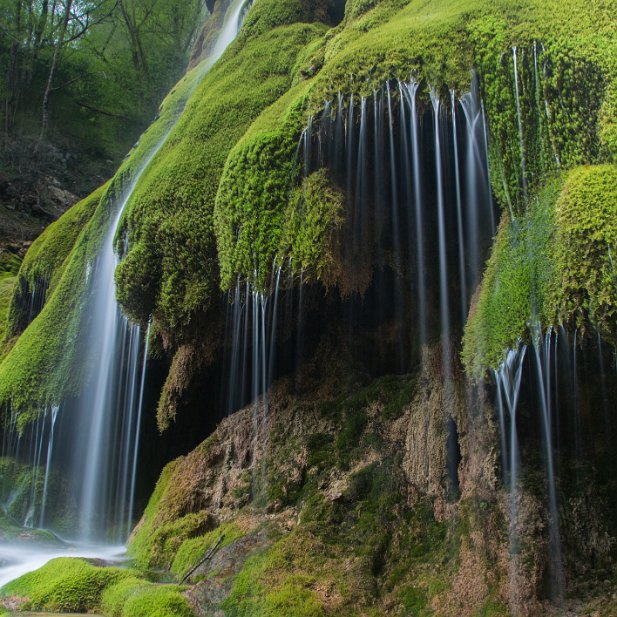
[105, 444]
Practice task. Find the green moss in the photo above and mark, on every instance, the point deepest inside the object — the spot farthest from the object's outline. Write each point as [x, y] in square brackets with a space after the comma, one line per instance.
[9, 266]
[254, 190]
[42, 267]
[74, 585]
[50, 250]
[585, 253]
[223, 197]
[551, 266]
[193, 550]
[515, 287]
[65, 585]
[141, 542]
[134, 597]
[259, 591]
[268, 14]
[174, 201]
[560, 106]
[608, 122]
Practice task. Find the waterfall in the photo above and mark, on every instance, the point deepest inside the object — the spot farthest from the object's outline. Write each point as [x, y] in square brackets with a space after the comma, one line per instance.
[412, 90]
[444, 301]
[405, 207]
[459, 212]
[480, 213]
[112, 437]
[545, 362]
[50, 449]
[508, 380]
[101, 445]
[108, 407]
[519, 122]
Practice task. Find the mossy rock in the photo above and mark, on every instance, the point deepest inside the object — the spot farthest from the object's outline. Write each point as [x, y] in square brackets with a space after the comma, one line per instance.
[64, 585]
[223, 199]
[9, 267]
[75, 585]
[554, 265]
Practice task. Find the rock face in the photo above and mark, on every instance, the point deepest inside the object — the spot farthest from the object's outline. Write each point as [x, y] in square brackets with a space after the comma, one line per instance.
[340, 494]
[347, 494]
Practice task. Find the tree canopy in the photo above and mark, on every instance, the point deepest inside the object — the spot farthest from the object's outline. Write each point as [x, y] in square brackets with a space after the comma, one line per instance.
[88, 75]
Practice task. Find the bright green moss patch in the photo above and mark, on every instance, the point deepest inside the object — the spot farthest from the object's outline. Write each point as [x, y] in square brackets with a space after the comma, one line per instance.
[193, 550]
[262, 215]
[39, 369]
[254, 189]
[174, 201]
[313, 218]
[274, 583]
[74, 585]
[49, 251]
[134, 597]
[555, 264]
[585, 289]
[65, 585]
[513, 290]
[163, 529]
[140, 545]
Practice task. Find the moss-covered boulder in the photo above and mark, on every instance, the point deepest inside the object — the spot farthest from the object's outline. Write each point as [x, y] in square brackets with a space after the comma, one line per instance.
[553, 266]
[75, 585]
[344, 509]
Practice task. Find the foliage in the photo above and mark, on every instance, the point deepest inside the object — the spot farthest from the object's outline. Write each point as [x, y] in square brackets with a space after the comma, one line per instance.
[96, 68]
[552, 266]
[134, 597]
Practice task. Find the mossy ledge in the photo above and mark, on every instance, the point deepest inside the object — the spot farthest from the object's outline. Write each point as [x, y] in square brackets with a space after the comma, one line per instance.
[75, 585]
[552, 266]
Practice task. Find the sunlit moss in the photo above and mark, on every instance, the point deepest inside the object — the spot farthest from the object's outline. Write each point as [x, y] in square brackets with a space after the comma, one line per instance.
[554, 265]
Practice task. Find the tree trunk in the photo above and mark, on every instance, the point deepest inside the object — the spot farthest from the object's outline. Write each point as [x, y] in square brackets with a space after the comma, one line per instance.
[52, 70]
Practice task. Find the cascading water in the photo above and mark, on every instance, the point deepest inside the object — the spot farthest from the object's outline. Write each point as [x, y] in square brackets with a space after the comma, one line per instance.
[519, 123]
[111, 438]
[104, 445]
[408, 204]
[537, 387]
[546, 364]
